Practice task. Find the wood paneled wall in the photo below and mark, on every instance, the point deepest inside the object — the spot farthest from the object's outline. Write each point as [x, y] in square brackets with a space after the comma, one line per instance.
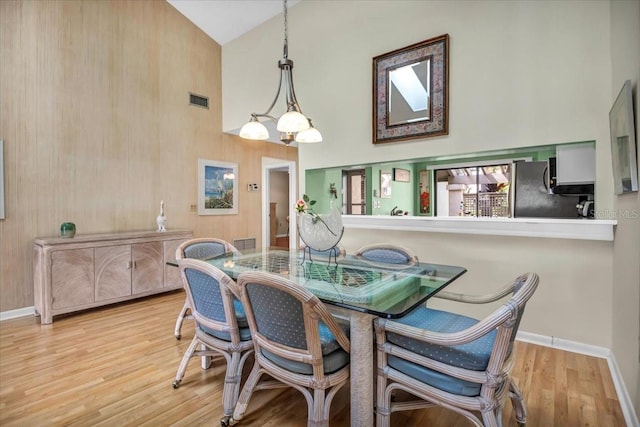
[97, 127]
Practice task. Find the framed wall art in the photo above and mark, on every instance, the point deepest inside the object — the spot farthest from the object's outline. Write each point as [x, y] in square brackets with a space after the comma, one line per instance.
[401, 175]
[423, 189]
[623, 142]
[385, 184]
[411, 91]
[217, 187]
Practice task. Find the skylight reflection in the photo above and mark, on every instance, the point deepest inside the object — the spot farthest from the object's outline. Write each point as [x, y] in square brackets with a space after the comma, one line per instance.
[410, 87]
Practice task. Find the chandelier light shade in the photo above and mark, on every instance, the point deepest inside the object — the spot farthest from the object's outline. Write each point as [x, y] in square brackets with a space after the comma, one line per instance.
[253, 129]
[309, 135]
[292, 125]
[292, 121]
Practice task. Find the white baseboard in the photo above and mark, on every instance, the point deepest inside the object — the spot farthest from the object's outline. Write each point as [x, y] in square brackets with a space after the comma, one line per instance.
[628, 411]
[14, 314]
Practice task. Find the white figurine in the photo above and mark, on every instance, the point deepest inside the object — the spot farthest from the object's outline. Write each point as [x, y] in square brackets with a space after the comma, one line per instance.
[161, 219]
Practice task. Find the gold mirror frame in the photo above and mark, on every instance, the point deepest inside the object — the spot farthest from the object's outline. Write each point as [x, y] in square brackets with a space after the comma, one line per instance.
[434, 121]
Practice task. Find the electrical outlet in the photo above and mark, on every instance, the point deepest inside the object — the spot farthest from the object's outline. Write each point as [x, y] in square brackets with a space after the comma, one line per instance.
[193, 208]
[252, 187]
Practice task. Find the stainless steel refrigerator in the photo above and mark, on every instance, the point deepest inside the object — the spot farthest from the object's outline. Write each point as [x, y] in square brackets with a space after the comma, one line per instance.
[532, 198]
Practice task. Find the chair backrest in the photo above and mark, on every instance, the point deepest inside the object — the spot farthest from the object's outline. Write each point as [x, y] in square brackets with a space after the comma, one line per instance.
[204, 247]
[212, 296]
[387, 253]
[288, 322]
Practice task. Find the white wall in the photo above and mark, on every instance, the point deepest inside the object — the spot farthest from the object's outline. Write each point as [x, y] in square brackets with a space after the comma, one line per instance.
[625, 58]
[522, 73]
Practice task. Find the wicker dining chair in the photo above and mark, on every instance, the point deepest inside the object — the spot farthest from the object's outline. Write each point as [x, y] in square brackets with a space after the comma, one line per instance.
[203, 247]
[298, 344]
[387, 253]
[221, 325]
[446, 359]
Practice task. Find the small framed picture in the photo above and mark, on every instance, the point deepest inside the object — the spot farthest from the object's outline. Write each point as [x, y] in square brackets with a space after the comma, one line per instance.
[385, 184]
[217, 188]
[401, 175]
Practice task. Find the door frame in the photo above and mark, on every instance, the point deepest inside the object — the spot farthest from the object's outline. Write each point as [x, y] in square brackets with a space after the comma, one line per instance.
[268, 164]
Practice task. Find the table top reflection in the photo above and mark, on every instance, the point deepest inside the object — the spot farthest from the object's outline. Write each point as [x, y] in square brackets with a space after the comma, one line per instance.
[385, 290]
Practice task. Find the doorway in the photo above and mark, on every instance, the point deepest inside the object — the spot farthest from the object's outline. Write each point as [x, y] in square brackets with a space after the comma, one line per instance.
[276, 173]
[354, 182]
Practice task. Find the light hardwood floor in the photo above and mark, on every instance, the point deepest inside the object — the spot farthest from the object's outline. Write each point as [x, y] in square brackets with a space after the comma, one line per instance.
[114, 366]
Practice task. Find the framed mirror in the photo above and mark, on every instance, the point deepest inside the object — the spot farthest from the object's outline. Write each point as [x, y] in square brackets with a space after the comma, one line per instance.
[411, 91]
[623, 142]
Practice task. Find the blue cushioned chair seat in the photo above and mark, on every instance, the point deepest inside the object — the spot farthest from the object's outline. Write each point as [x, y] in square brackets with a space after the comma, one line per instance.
[241, 317]
[434, 378]
[334, 357]
[327, 340]
[331, 362]
[474, 355]
[245, 334]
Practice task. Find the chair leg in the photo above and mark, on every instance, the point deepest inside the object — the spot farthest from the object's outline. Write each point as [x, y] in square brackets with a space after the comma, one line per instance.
[207, 359]
[247, 391]
[317, 416]
[489, 419]
[184, 362]
[183, 314]
[231, 383]
[517, 401]
[383, 403]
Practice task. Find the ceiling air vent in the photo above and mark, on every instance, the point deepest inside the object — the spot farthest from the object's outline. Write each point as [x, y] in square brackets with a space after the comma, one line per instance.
[199, 101]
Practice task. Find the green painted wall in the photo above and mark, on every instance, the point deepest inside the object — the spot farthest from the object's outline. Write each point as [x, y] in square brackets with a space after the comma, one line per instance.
[404, 195]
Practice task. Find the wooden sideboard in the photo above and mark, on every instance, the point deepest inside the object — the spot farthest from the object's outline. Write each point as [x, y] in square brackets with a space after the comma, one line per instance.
[71, 274]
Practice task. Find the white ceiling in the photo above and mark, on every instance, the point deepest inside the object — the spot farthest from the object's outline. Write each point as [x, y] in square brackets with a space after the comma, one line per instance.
[224, 20]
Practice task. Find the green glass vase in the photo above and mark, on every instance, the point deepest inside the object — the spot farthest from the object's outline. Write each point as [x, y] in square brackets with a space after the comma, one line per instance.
[67, 229]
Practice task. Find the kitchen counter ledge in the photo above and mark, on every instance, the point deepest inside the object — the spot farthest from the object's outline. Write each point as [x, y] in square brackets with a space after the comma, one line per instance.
[581, 229]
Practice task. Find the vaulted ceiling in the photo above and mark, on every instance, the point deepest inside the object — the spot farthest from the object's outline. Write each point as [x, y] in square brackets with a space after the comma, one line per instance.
[224, 20]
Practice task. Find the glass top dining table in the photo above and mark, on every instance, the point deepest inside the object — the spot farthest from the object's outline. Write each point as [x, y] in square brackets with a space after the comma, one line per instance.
[384, 290]
[355, 289]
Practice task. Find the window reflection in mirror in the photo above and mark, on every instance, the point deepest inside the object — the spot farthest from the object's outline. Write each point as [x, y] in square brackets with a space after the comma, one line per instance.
[408, 94]
[480, 191]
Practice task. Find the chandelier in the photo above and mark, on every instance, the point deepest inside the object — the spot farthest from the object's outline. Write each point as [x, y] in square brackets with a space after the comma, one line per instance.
[292, 125]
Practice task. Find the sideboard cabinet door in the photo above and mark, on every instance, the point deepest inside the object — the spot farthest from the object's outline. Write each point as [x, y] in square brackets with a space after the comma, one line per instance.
[148, 267]
[72, 278]
[113, 272]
